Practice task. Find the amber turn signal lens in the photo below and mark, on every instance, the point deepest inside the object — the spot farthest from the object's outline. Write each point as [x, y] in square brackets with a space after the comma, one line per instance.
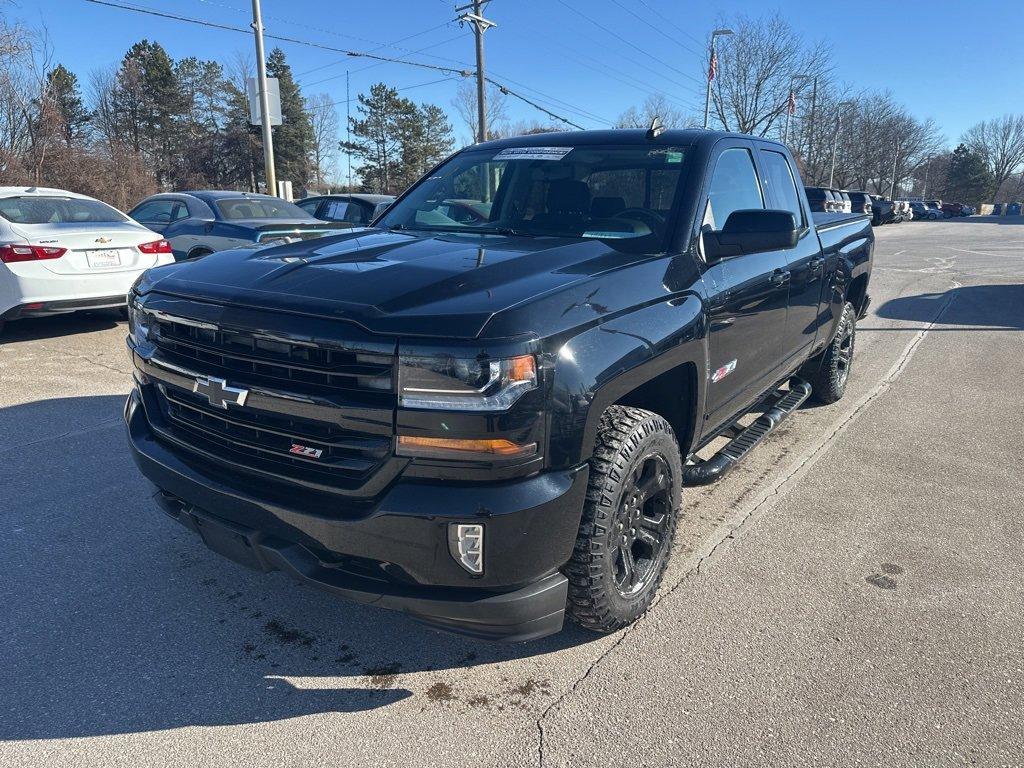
[443, 447]
[523, 368]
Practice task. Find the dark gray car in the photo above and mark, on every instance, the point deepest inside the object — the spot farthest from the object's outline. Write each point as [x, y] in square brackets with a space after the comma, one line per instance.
[200, 223]
[356, 208]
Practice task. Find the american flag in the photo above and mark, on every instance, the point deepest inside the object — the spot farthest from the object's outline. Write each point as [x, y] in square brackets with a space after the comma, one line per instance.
[713, 66]
[792, 103]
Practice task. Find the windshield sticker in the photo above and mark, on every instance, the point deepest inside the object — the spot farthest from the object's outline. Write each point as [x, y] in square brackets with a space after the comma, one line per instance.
[533, 153]
[673, 157]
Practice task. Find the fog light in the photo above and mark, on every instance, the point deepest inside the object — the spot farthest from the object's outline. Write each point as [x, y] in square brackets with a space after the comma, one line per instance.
[466, 544]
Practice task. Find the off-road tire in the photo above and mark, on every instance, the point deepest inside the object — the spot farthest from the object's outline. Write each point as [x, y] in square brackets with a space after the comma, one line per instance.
[828, 383]
[632, 444]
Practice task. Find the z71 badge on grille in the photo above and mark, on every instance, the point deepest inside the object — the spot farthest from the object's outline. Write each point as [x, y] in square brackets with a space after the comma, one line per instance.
[305, 450]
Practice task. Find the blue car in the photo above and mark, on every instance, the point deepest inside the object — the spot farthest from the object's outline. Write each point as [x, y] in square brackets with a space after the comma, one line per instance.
[201, 223]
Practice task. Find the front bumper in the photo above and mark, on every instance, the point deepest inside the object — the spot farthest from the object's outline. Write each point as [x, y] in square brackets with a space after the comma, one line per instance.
[393, 553]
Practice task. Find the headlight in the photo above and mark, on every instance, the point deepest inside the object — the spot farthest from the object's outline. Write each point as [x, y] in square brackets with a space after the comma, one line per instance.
[459, 384]
[140, 323]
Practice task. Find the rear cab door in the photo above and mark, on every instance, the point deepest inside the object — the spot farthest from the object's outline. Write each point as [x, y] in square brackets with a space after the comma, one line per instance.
[805, 263]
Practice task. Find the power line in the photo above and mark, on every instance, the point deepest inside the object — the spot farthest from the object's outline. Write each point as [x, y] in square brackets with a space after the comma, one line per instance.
[627, 42]
[656, 28]
[604, 70]
[360, 54]
[397, 90]
[669, 21]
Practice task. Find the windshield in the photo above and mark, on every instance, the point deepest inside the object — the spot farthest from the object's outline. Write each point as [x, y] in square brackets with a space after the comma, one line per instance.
[259, 208]
[58, 210]
[609, 193]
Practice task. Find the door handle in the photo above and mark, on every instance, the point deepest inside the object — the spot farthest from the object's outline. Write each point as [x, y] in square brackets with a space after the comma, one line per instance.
[816, 264]
[780, 277]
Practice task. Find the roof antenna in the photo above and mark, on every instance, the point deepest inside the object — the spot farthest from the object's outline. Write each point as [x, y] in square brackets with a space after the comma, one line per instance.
[657, 128]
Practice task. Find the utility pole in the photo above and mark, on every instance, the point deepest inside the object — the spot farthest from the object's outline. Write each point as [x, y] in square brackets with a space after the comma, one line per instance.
[348, 131]
[480, 25]
[712, 71]
[261, 75]
[927, 167]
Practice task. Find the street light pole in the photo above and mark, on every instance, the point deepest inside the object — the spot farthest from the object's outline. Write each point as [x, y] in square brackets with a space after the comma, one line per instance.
[895, 160]
[835, 144]
[261, 76]
[480, 25]
[712, 71]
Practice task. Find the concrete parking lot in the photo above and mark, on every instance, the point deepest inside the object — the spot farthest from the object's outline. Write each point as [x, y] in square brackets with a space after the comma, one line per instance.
[850, 595]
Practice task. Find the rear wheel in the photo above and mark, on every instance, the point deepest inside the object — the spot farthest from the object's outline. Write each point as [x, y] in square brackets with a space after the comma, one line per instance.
[828, 384]
[629, 520]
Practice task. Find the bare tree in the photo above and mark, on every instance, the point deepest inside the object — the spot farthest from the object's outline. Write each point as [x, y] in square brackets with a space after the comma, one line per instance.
[326, 135]
[1000, 143]
[496, 110]
[755, 67]
[655, 105]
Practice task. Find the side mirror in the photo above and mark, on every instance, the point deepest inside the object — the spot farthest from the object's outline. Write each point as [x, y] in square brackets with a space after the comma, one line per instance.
[752, 231]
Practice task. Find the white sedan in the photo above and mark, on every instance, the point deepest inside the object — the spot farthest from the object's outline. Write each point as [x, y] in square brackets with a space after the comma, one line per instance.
[62, 252]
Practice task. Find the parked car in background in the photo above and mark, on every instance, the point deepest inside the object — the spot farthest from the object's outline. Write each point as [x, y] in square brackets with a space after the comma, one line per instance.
[936, 204]
[845, 205]
[200, 223]
[925, 211]
[860, 202]
[821, 200]
[356, 208]
[953, 210]
[882, 211]
[63, 252]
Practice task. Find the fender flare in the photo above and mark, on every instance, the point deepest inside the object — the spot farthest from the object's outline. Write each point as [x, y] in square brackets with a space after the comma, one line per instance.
[597, 367]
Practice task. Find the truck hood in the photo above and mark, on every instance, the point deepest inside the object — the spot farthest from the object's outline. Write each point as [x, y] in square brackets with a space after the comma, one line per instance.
[402, 283]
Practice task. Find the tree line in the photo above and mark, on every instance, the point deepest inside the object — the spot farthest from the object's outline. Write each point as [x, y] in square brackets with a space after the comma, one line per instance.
[149, 123]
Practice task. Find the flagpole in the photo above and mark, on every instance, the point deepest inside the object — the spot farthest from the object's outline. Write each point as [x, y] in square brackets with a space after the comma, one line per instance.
[712, 71]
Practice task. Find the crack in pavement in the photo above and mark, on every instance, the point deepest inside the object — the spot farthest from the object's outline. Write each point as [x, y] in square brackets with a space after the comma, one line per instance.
[69, 433]
[718, 542]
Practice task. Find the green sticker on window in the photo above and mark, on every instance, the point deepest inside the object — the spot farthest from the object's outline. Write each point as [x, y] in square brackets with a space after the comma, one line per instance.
[673, 157]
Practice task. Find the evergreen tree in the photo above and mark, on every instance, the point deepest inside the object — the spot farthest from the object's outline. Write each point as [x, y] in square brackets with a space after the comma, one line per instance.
[150, 105]
[293, 139]
[65, 99]
[969, 178]
[397, 140]
[377, 135]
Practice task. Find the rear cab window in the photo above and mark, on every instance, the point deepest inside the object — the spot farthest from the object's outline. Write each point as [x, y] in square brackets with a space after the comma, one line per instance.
[259, 208]
[781, 184]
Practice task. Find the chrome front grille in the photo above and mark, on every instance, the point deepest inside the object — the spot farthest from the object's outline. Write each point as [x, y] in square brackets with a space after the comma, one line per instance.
[317, 414]
[260, 359]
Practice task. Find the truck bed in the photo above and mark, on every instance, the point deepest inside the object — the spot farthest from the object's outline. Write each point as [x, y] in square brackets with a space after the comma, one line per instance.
[829, 220]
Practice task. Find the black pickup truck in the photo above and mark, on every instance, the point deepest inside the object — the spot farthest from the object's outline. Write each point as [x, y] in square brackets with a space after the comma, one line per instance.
[489, 424]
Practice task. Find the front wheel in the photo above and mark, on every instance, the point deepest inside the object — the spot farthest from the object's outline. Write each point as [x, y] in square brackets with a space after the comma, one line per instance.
[828, 384]
[629, 520]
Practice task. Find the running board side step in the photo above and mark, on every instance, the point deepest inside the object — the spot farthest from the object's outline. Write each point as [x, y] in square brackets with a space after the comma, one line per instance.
[706, 472]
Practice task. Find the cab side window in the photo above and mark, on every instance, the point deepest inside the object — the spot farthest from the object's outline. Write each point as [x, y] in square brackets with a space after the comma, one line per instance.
[778, 178]
[734, 187]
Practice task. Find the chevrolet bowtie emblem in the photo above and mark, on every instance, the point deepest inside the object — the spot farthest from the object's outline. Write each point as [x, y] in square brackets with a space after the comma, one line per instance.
[219, 393]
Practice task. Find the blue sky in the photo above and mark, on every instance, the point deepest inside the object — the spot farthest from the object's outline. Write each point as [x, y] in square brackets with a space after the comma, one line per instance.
[956, 62]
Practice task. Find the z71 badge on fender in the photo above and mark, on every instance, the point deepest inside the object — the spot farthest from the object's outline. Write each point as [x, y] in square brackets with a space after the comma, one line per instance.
[724, 371]
[305, 450]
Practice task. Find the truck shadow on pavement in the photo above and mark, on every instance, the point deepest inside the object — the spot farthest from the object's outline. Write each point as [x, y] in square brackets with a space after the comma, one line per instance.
[998, 307]
[117, 620]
